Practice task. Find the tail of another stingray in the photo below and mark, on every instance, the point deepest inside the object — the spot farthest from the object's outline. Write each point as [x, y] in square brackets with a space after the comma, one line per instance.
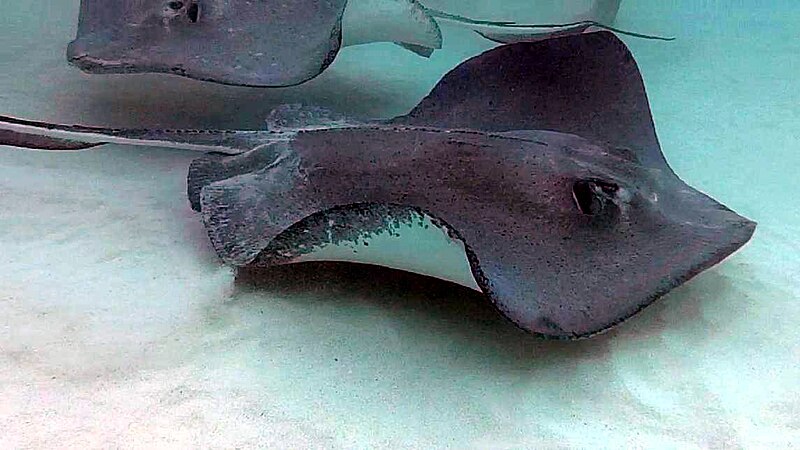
[55, 137]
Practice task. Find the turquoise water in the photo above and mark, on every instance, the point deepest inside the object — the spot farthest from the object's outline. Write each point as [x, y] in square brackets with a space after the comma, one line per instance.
[119, 326]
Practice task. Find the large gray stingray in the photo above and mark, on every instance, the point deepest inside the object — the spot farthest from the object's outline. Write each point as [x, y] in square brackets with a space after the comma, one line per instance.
[542, 158]
[269, 42]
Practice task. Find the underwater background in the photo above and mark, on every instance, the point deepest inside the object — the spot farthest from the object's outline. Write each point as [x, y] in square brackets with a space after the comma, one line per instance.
[120, 327]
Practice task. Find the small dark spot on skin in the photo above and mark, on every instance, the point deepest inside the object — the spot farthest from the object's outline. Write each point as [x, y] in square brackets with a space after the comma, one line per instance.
[193, 12]
[550, 324]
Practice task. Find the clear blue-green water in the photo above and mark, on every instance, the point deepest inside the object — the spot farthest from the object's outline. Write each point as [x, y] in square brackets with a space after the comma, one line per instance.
[119, 327]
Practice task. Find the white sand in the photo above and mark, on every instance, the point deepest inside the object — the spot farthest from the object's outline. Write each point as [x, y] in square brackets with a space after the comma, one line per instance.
[119, 327]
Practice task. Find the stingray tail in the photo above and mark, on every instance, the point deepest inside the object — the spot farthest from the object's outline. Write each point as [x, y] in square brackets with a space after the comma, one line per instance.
[602, 14]
[48, 136]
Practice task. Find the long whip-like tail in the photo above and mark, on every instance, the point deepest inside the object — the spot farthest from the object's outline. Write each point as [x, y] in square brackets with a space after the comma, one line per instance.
[48, 136]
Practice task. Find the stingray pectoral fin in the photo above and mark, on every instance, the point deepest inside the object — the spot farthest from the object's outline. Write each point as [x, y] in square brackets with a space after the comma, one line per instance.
[400, 21]
[585, 84]
[252, 43]
[49, 136]
[244, 212]
[212, 168]
[588, 277]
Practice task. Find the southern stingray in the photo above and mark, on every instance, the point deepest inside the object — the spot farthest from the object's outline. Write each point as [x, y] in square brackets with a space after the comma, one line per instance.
[542, 158]
[271, 43]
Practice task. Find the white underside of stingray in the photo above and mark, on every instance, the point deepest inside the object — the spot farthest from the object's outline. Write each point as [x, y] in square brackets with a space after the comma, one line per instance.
[402, 21]
[411, 22]
[444, 257]
[397, 247]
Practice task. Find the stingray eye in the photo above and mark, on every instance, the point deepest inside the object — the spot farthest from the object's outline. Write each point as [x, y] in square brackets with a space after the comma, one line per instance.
[591, 196]
[175, 6]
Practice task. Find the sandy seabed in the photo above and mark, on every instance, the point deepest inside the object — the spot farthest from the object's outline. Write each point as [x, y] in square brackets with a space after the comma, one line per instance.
[120, 328]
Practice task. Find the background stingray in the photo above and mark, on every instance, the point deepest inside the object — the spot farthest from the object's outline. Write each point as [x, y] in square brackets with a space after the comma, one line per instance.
[270, 43]
[568, 231]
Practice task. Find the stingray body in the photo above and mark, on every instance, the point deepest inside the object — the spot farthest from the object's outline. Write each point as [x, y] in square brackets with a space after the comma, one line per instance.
[541, 158]
[263, 43]
[266, 43]
[269, 43]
